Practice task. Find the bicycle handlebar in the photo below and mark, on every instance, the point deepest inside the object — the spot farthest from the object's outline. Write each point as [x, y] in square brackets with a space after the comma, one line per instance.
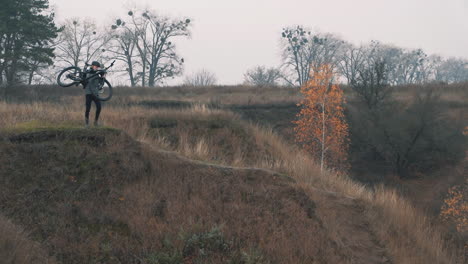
[112, 64]
[100, 71]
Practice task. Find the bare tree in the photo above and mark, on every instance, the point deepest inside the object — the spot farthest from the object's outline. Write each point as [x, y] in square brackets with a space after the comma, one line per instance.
[452, 70]
[303, 51]
[38, 72]
[123, 48]
[410, 67]
[153, 38]
[351, 61]
[262, 76]
[403, 66]
[371, 84]
[80, 42]
[201, 78]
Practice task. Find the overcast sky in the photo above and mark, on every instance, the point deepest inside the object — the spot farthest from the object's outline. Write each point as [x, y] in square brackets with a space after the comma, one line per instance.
[229, 37]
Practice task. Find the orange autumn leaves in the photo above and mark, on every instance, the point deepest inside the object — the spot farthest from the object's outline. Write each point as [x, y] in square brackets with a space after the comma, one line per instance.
[321, 127]
[455, 207]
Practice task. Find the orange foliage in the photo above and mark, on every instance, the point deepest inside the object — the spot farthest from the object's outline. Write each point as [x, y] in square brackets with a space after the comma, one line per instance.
[321, 127]
[455, 207]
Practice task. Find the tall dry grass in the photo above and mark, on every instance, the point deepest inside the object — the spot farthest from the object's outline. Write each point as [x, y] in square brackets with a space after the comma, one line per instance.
[405, 233]
[17, 248]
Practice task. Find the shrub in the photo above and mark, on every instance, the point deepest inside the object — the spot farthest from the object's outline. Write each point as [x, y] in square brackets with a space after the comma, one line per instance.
[410, 137]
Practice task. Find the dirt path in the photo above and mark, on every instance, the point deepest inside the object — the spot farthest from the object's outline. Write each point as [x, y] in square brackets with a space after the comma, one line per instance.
[347, 224]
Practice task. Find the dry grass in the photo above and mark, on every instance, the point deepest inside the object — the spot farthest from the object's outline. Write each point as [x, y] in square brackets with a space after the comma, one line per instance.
[382, 223]
[17, 248]
[405, 231]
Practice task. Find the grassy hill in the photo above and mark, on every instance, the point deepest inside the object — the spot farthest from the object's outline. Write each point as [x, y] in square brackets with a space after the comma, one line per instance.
[190, 184]
[97, 196]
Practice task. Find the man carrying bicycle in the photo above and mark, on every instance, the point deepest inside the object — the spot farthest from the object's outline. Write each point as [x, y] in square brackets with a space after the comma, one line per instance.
[92, 87]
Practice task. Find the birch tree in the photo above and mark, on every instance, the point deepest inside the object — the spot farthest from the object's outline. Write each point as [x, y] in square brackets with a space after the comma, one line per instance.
[321, 128]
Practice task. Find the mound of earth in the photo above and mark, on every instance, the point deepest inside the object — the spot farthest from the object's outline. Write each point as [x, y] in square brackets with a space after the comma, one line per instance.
[227, 140]
[98, 196]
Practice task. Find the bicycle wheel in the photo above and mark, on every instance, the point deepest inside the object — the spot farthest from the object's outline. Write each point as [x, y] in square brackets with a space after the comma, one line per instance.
[105, 90]
[69, 76]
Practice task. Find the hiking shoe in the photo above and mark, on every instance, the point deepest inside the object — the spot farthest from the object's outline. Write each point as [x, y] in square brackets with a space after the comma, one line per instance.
[96, 124]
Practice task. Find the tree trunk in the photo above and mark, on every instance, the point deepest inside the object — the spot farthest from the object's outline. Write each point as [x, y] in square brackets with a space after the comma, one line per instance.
[31, 76]
[10, 76]
[130, 71]
[132, 79]
[151, 77]
[1, 76]
[5, 90]
[322, 158]
[143, 83]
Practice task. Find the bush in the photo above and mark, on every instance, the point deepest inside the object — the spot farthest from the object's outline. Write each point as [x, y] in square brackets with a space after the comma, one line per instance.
[410, 137]
[205, 247]
[201, 78]
[202, 244]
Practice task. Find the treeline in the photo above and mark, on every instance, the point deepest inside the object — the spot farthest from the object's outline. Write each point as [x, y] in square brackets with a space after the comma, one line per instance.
[33, 47]
[304, 50]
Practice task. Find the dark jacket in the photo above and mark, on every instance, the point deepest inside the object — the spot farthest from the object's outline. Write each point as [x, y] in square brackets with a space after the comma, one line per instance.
[92, 84]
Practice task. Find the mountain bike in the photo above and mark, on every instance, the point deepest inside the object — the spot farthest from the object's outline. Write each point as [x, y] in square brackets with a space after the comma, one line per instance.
[75, 76]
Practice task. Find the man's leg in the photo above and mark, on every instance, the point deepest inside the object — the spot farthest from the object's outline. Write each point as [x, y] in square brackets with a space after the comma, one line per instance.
[98, 109]
[88, 108]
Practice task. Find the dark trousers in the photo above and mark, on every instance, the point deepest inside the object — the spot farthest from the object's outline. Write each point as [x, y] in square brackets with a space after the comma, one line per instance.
[91, 98]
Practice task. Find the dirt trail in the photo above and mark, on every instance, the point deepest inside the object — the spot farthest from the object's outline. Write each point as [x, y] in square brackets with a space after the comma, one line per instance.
[349, 226]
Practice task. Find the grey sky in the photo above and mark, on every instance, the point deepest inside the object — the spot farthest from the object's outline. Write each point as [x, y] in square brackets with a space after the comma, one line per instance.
[230, 36]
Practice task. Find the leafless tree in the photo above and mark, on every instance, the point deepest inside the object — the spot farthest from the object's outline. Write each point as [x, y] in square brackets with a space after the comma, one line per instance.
[80, 41]
[452, 70]
[262, 76]
[201, 78]
[410, 67]
[403, 66]
[351, 61]
[39, 73]
[36, 72]
[303, 51]
[153, 37]
[123, 48]
[371, 83]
